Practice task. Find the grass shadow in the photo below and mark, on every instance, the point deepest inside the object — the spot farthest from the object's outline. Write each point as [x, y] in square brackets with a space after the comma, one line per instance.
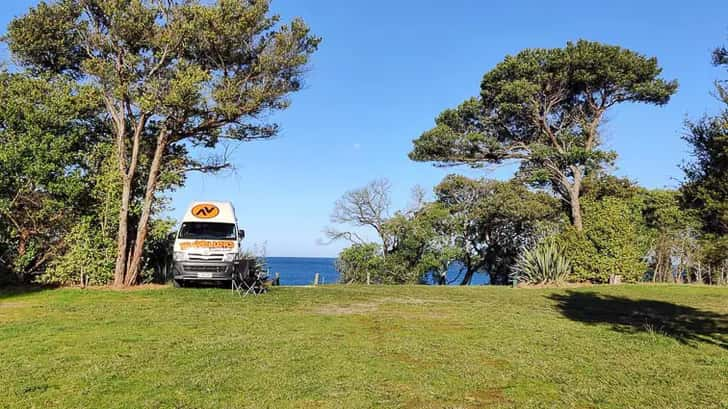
[18, 290]
[682, 323]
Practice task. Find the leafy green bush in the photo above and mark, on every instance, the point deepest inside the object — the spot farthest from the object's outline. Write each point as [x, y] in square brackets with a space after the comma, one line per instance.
[613, 241]
[157, 257]
[545, 263]
[88, 259]
[418, 246]
[358, 261]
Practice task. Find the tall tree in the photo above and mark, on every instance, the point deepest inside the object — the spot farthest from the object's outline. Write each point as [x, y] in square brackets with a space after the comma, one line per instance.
[368, 206]
[47, 127]
[706, 177]
[418, 247]
[491, 222]
[543, 108]
[173, 74]
[706, 186]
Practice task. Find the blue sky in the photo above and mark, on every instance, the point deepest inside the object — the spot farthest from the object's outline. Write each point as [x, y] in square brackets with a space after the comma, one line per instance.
[385, 69]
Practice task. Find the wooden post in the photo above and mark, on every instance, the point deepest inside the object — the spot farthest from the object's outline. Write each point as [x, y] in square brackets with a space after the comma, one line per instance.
[277, 280]
[315, 279]
[369, 278]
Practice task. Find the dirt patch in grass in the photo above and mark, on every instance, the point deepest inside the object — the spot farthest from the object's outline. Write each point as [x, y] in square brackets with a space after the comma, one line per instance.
[336, 309]
[13, 304]
[367, 307]
[495, 363]
[556, 285]
[485, 398]
[404, 358]
[408, 300]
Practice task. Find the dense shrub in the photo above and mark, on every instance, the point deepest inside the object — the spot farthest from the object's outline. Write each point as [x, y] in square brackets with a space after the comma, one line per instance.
[157, 257]
[613, 241]
[358, 261]
[88, 259]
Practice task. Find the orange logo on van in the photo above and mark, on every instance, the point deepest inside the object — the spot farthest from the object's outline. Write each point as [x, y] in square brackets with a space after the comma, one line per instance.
[212, 244]
[205, 211]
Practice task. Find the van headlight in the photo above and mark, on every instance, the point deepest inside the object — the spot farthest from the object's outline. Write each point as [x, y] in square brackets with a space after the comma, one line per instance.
[229, 257]
[180, 256]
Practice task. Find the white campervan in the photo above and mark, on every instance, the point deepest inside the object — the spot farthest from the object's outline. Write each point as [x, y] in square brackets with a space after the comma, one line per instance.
[208, 243]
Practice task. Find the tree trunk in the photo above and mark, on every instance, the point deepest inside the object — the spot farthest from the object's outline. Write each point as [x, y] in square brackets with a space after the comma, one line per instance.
[575, 199]
[23, 238]
[143, 227]
[122, 234]
[468, 277]
[127, 176]
[576, 212]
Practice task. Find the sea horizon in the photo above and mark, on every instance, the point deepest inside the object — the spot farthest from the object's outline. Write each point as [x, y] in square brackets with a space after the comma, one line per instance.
[296, 270]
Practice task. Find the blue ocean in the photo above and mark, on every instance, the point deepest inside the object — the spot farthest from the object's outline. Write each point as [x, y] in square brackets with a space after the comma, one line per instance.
[301, 271]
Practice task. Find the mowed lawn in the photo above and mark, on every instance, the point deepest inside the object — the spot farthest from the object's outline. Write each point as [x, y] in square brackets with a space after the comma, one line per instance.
[361, 347]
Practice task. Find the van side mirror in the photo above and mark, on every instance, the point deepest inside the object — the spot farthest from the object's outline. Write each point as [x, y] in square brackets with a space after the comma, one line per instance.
[241, 234]
[171, 236]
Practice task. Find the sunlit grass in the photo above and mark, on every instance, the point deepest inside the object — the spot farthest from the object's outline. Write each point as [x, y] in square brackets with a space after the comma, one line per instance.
[360, 347]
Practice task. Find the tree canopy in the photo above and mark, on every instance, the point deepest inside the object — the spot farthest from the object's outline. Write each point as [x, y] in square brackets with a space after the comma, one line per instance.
[172, 74]
[543, 108]
[490, 222]
[706, 186]
[45, 126]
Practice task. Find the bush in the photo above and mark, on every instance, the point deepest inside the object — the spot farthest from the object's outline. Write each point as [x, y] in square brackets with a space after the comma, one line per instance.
[613, 241]
[358, 261]
[88, 258]
[545, 263]
[157, 256]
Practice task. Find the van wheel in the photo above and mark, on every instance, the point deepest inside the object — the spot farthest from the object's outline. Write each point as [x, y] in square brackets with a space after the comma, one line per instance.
[178, 283]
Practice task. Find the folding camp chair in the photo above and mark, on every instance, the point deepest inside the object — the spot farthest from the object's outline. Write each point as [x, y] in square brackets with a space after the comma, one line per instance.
[256, 284]
[246, 282]
[239, 278]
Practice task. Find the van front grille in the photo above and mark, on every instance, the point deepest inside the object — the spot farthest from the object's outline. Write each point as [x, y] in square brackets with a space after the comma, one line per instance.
[206, 257]
[198, 268]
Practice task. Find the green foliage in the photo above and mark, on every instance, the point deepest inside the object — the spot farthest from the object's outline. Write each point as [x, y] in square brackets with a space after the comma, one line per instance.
[357, 262]
[713, 253]
[544, 263]
[706, 186]
[674, 232]
[490, 222]
[46, 128]
[49, 40]
[205, 70]
[411, 244]
[565, 87]
[543, 108]
[482, 224]
[418, 248]
[600, 185]
[613, 241]
[60, 185]
[705, 190]
[88, 260]
[172, 75]
[157, 257]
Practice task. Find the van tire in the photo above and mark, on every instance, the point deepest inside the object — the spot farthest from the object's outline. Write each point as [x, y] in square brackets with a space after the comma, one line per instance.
[178, 283]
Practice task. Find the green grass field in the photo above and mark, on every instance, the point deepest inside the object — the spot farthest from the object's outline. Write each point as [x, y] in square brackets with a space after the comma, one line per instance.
[361, 347]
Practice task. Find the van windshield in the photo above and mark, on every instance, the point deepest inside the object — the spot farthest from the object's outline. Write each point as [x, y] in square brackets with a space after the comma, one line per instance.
[207, 231]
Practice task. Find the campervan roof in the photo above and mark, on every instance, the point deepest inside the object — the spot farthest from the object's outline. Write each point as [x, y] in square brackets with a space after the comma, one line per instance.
[210, 211]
